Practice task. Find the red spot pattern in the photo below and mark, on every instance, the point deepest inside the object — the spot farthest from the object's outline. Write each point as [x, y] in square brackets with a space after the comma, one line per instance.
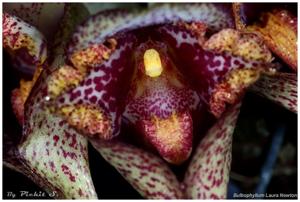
[203, 69]
[281, 88]
[153, 179]
[208, 173]
[27, 45]
[67, 172]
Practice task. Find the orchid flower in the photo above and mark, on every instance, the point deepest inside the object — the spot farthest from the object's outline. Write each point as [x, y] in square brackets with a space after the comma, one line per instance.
[175, 74]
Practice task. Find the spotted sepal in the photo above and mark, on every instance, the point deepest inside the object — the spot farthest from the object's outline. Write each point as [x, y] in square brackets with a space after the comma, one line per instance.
[147, 173]
[207, 175]
[280, 88]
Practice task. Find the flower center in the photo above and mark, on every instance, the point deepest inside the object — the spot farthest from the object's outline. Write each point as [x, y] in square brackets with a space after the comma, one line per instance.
[152, 63]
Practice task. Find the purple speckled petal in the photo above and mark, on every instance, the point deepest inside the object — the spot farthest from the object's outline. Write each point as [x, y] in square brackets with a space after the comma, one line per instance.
[25, 43]
[108, 23]
[105, 88]
[280, 88]
[208, 173]
[44, 16]
[147, 173]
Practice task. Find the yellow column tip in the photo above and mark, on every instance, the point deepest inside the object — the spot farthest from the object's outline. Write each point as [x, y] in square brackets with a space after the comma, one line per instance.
[152, 63]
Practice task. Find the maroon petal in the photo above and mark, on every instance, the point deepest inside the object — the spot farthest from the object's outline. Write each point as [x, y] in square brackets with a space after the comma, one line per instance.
[44, 16]
[219, 74]
[25, 44]
[147, 173]
[95, 42]
[159, 104]
[108, 23]
[101, 94]
[280, 88]
[208, 173]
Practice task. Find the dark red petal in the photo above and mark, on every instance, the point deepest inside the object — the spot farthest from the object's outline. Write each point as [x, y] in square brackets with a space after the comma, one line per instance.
[160, 107]
[108, 23]
[280, 88]
[207, 176]
[104, 89]
[219, 75]
[44, 16]
[172, 136]
[25, 44]
[147, 173]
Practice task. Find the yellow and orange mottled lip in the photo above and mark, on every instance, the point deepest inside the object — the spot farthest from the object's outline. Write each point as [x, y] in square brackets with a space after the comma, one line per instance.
[172, 136]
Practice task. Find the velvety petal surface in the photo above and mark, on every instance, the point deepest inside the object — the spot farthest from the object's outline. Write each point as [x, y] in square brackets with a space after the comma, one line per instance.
[147, 173]
[208, 172]
[280, 88]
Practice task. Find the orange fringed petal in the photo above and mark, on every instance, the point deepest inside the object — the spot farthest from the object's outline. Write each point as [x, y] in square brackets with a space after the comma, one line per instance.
[246, 45]
[93, 55]
[279, 31]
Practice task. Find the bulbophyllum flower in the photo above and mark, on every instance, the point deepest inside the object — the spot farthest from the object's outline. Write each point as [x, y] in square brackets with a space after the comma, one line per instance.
[174, 73]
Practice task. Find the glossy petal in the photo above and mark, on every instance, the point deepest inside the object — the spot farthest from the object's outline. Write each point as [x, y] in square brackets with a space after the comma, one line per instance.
[280, 88]
[147, 173]
[208, 172]
[25, 43]
[45, 16]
